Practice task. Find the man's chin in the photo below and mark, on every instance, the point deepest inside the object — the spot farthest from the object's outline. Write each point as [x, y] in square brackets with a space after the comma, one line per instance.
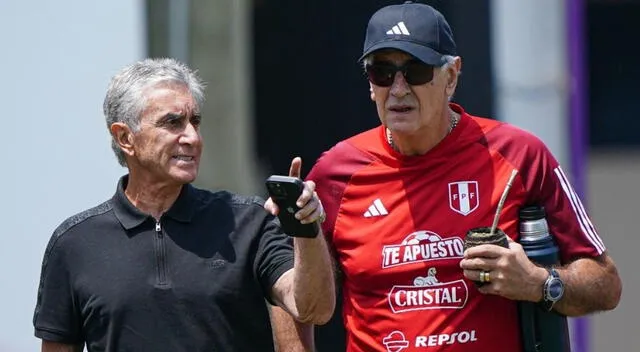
[185, 177]
[402, 123]
[403, 128]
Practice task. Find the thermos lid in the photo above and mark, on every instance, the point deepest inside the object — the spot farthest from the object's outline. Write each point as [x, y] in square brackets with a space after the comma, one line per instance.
[534, 212]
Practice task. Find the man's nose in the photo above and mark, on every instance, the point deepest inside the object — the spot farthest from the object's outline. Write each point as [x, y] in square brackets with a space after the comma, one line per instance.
[400, 87]
[190, 135]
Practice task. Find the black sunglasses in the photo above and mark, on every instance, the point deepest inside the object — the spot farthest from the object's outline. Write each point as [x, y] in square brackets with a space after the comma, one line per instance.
[383, 73]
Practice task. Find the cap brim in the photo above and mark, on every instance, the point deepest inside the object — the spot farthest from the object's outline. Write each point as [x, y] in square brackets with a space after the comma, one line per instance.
[421, 52]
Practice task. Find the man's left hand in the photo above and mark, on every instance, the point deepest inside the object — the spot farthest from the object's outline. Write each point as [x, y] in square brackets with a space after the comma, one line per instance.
[310, 206]
[510, 273]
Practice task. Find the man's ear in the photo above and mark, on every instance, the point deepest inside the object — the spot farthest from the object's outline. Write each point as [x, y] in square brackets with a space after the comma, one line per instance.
[452, 75]
[123, 136]
[372, 94]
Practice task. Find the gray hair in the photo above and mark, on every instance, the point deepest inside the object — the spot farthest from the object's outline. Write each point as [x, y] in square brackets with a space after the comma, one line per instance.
[125, 101]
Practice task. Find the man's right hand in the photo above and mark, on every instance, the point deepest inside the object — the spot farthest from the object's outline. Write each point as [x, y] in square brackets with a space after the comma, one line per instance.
[310, 206]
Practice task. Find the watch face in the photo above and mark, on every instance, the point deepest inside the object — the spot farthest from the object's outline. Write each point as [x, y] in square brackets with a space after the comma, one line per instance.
[555, 290]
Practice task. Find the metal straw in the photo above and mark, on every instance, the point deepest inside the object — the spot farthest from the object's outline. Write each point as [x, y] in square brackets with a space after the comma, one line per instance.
[502, 199]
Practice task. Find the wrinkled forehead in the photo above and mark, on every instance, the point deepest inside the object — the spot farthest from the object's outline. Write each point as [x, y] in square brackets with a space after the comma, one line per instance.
[168, 97]
[391, 55]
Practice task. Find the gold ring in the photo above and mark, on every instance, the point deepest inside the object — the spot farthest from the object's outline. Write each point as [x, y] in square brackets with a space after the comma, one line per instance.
[485, 276]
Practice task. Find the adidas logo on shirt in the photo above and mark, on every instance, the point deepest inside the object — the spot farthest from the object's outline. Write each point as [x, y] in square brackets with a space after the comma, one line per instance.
[399, 28]
[376, 209]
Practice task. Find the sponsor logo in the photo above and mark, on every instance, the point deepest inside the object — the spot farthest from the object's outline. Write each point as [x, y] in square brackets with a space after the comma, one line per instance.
[422, 246]
[463, 197]
[446, 339]
[395, 342]
[428, 293]
[217, 263]
[399, 28]
[376, 209]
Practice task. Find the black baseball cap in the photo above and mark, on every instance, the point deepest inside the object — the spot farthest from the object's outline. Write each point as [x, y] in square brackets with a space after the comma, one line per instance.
[417, 29]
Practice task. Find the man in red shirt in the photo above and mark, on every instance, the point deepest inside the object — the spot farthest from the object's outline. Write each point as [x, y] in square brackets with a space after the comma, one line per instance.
[400, 198]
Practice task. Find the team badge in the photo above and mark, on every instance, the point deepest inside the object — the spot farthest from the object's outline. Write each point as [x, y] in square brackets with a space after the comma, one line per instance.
[463, 197]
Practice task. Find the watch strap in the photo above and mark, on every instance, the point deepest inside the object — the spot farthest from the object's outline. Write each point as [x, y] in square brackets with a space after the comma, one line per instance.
[546, 302]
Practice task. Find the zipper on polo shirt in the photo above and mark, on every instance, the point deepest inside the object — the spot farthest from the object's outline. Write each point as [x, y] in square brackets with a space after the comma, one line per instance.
[160, 255]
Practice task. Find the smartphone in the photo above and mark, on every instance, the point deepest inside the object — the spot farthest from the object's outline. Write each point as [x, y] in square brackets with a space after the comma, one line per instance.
[285, 191]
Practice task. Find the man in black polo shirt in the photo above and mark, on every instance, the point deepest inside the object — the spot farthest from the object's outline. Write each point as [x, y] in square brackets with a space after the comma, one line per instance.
[164, 266]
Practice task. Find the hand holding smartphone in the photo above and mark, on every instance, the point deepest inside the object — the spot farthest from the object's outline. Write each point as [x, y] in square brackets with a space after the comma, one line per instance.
[285, 191]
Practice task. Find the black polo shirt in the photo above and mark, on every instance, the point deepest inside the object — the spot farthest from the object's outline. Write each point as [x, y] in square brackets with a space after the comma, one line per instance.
[197, 280]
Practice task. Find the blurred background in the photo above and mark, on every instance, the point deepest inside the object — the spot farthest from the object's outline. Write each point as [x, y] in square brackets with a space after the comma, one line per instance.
[283, 81]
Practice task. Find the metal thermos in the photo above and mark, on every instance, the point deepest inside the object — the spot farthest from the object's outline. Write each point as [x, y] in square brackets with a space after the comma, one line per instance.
[542, 331]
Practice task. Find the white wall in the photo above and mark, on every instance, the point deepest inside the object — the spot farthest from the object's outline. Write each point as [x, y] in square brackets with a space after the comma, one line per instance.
[530, 69]
[613, 199]
[56, 58]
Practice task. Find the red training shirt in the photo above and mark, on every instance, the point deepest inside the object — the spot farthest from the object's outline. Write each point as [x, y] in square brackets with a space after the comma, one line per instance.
[397, 224]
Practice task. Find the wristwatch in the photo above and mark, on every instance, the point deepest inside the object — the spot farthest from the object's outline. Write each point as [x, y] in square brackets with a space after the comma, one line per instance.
[552, 290]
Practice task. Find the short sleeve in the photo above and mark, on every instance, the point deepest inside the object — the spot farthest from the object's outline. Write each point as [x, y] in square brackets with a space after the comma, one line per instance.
[56, 317]
[330, 202]
[567, 217]
[274, 255]
[332, 173]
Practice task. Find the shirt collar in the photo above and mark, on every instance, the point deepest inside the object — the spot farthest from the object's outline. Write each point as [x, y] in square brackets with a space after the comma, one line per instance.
[129, 216]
